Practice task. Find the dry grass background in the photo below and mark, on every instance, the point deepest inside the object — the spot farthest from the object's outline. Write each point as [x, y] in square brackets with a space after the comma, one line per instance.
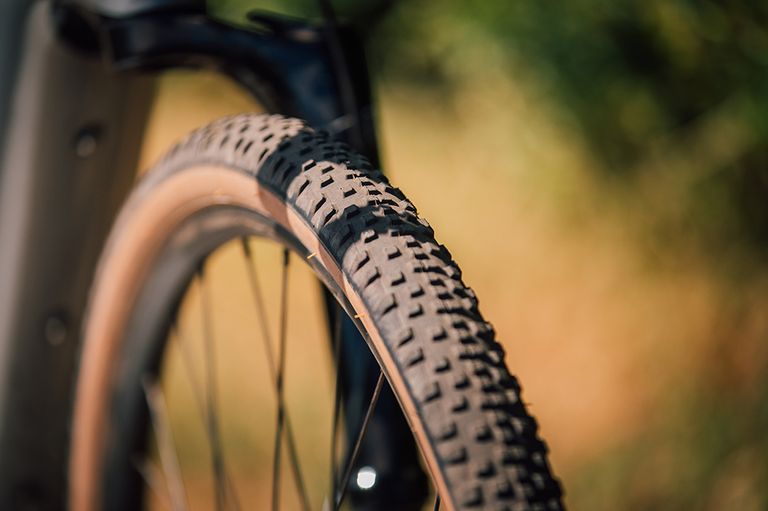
[609, 336]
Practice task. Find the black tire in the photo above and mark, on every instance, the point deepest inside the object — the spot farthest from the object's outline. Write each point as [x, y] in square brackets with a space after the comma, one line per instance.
[381, 260]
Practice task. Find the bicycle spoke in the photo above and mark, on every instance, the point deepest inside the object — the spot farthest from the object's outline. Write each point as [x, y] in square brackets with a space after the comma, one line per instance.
[194, 382]
[280, 382]
[250, 265]
[222, 482]
[152, 475]
[359, 441]
[437, 502]
[336, 396]
[168, 457]
[190, 370]
[267, 341]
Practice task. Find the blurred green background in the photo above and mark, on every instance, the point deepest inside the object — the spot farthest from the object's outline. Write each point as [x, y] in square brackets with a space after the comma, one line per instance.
[599, 169]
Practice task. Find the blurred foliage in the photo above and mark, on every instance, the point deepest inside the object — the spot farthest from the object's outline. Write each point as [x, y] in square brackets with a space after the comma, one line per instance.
[706, 453]
[635, 71]
[643, 82]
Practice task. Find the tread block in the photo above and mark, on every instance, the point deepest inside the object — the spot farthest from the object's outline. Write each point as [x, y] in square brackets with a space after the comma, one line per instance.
[459, 404]
[430, 392]
[482, 432]
[472, 497]
[361, 259]
[397, 279]
[405, 336]
[447, 431]
[538, 480]
[369, 236]
[389, 304]
[318, 204]
[461, 381]
[484, 469]
[414, 357]
[442, 365]
[344, 235]
[415, 311]
[513, 455]
[392, 252]
[456, 455]
[371, 276]
[303, 184]
[415, 290]
[351, 212]
[505, 490]
[438, 334]
[329, 216]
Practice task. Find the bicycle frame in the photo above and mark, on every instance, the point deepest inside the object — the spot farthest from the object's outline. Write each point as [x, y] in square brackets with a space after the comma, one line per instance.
[75, 91]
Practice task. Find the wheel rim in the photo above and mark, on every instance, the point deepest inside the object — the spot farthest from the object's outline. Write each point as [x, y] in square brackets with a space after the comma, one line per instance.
[179, 258]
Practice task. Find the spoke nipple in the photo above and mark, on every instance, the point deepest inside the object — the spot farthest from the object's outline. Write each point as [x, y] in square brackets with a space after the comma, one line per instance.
[87, 140]
[359, 316]
[310, 256]
[56, 328]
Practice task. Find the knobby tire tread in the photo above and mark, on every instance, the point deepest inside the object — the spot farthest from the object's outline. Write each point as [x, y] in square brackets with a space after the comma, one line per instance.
[486, 443]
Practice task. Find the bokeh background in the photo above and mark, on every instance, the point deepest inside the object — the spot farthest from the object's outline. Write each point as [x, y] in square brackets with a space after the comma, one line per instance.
[599, 169]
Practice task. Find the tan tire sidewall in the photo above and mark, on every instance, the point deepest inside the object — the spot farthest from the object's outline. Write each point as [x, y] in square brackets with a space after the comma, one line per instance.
[147, 221]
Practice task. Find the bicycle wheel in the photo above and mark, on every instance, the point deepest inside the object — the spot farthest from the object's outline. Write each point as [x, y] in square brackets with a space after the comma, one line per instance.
[276, 178]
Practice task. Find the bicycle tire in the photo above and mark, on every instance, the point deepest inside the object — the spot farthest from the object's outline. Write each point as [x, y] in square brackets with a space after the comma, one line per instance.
[380, 258]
